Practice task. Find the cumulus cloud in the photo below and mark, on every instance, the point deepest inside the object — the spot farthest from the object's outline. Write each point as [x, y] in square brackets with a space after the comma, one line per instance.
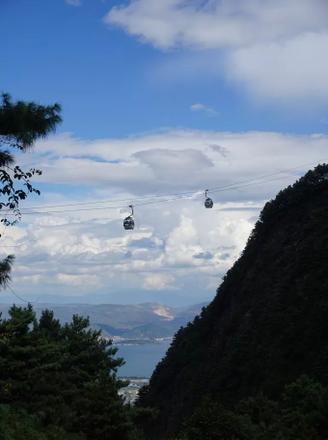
[276, 48]
[280, 71]
[166, 163]
[76, 249]
[158, 281]
[219, 149]
[204, 255]
[173, 161]
[217, 23]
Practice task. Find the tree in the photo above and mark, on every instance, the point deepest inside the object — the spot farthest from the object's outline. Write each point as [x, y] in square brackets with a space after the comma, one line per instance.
[21, 124]
[301, 412]
[64, 375]
[16, 424]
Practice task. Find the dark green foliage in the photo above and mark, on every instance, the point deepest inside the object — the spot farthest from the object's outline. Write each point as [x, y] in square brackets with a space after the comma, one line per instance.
[5, 269]
[211, 421]
[64, 375]
[301, 413]
[268, 323]
[16, 424]
[21, 124]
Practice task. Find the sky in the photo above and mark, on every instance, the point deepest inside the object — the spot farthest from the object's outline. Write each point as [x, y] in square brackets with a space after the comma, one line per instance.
[160, 101]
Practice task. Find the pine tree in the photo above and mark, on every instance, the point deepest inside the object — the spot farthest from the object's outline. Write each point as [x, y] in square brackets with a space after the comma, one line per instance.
[21, 124]
[65, 375]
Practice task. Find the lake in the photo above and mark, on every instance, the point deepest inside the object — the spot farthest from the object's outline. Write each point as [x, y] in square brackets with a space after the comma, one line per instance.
[141, 359]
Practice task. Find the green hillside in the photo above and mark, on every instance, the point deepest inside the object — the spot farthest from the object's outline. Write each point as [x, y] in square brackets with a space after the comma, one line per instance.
[268, 324]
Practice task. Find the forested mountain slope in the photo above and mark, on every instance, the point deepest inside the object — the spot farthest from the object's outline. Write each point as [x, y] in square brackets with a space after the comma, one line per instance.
[268, 323]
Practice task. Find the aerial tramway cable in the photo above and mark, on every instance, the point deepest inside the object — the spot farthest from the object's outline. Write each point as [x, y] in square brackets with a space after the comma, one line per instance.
[114, 204]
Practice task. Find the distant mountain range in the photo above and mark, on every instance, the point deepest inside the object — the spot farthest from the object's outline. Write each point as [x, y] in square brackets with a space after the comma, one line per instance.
[139, 322]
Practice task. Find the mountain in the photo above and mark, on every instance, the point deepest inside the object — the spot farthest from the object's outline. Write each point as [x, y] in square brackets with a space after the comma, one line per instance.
[138, 322]
[268, 323]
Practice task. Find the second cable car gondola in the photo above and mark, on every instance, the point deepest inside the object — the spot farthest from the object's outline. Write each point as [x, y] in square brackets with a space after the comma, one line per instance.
[208, 201]
[128, 222]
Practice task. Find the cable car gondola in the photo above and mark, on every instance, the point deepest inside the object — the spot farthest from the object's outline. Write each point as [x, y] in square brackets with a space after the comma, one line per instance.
[208, 201]
[128, 222]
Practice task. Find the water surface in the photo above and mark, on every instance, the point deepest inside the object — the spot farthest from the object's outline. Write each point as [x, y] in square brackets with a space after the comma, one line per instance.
[141, 359]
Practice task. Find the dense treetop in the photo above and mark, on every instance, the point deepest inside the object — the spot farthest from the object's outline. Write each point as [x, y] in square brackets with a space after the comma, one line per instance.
[63, 376]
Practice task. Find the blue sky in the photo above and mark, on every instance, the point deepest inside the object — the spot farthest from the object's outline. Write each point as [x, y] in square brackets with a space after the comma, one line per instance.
[159, 97]
[110, 84]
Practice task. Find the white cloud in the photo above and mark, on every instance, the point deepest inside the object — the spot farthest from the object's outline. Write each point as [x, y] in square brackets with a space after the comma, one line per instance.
[216, 23]
[177, 242]
[198, 107]
[158, 281]
[176, 160]
[34, 279]
[73, 2]
[276, 49]
[167, 163]
[296, 68]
